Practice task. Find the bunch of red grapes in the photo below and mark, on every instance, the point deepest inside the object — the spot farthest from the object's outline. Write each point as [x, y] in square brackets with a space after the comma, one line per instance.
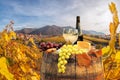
[47, 45]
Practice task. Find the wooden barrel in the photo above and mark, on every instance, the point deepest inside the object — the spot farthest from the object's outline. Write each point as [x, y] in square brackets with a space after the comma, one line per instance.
[49, 69]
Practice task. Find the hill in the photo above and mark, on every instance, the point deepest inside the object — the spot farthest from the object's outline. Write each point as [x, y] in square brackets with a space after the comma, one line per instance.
[53, 30]
[26, 30]
[92, 32]
[48, 30]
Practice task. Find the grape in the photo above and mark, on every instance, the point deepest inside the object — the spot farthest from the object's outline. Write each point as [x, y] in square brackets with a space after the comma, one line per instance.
[59, 70]
[58, 65]
[65, 61]
[62, 57]
[47, 45]
[61, 62]
[60, 54]
[67, 57]
[62, 66]
[51, 45]
[43, 44]
[59, 59]
[56, 45]
[64, 54]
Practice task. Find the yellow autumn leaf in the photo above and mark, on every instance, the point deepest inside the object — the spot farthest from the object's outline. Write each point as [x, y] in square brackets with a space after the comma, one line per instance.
[111, 29]
[5, 37]
[12, 35]
[112, 7]
[23, 78]
[31, 40]
[4, 70]
[35, 76]
[115, 21]
[25, 68]
[117, 57]
[106, 51]
[19, 56]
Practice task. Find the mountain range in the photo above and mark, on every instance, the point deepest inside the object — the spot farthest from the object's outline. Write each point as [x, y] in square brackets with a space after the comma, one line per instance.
[52, 30]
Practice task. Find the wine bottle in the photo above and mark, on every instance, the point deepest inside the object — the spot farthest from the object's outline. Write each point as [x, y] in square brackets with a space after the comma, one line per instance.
[80, 35]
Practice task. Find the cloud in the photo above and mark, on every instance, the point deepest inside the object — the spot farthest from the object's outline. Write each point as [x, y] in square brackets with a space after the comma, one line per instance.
[95, 14]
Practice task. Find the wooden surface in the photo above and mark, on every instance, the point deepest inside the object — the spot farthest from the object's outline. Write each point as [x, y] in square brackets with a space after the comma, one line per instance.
[49, 70]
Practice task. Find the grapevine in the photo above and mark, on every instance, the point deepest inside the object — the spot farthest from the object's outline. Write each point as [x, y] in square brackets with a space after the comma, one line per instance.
[111, 56]
[19, 60]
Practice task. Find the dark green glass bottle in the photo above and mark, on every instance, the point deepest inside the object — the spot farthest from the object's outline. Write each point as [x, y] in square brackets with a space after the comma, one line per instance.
[80, 35]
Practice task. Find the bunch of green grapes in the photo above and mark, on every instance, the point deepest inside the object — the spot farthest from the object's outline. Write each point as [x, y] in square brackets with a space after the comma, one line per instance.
[64, 54]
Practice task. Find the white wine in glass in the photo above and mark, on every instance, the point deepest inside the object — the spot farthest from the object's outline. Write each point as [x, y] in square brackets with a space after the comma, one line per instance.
[73, 37]
[70, 35]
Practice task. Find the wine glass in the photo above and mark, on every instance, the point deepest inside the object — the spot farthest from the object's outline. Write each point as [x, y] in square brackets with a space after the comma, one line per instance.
[70, 35]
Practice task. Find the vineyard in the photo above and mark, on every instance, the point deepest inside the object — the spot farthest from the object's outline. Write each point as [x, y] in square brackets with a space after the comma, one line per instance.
[22, 59]
[86, 38]
[18, 61]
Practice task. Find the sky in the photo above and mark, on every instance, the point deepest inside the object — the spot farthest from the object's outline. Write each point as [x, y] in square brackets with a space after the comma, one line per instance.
[94, 14]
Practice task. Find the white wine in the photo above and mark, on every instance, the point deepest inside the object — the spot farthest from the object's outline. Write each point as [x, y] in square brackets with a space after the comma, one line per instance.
[66, 37]
[70, 37]
[73, 38]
